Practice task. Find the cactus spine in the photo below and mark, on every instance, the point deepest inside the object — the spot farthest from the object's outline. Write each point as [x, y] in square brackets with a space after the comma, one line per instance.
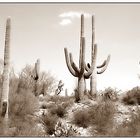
[5, 87]
[103, 67]
[74, 70]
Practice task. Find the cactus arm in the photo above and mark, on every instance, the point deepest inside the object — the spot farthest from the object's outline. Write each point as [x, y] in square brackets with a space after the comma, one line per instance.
[72, 71]
[81, 36]
[102, 65]
[73, 64]
[83, 57]
[87, 66]
[105, 67]
[92, 67]
[93, 52]
[82, 47]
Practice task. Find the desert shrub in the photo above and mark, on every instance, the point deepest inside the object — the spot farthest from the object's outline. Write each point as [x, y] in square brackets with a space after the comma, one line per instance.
[46, 82]
[59, 110]
[102, 115]
[23, 103]
[65, 130]
[132, 97]
[81, 118]
[129, 128]
[49, 100]
[49, 121]
[25, 126]
[109, 94]
[58, 99]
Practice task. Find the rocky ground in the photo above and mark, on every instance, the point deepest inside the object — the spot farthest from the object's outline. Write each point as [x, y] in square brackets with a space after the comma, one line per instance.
[65, 126]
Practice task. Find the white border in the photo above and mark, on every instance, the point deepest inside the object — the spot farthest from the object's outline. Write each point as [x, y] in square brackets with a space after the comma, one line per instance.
[63, 1]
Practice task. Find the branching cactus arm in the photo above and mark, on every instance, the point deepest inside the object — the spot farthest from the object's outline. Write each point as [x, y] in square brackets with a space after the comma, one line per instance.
[81, 41]
[73, 64]
[102, 65]
[105, 66]
[72, 71]
[92, 67]
[82, 47]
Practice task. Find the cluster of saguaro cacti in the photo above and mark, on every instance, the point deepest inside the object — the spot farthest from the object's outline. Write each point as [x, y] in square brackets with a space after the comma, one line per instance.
[103, 67]
[74, 70]
[36, 76]
[5, 87]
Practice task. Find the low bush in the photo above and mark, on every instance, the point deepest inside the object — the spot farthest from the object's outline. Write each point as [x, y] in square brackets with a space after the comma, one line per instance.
[23, 103]
[129, 128]
[49, 121]
[81, 118]
[102, 116]
[64, 130]
[109, 94]
[59, 110]
[132, 97]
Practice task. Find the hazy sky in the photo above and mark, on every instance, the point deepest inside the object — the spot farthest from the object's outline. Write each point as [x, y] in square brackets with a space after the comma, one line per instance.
[43, 30]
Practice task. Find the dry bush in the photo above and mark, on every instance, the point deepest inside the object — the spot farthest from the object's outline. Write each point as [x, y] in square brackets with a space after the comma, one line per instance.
[23, 103]
[65, 130]
[25, 126]
[102, 116]
[22, 107]
[49, 101]
[21, 114]
[109, 94]
[129, 128]
[60, 110]
[49, 121]
[45, 85]
[58, 99]
[81, 118]
[132, 97]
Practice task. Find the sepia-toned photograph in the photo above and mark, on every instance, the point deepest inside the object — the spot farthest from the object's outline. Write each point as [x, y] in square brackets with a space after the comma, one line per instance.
[69, 70]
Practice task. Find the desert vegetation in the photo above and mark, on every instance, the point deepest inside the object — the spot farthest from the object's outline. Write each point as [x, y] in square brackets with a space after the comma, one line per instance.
[31, 103]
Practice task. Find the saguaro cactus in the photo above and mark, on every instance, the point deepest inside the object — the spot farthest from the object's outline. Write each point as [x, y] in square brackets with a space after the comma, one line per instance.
[5, 87]
[36, 77]
[103, 67]
[74, 70]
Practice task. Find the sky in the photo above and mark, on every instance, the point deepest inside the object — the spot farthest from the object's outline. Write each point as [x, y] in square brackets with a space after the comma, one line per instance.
[44, 30]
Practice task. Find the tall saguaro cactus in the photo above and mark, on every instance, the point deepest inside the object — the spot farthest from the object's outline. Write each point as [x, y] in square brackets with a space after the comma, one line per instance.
[103, 67]
[5, 88]
[74, 70]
